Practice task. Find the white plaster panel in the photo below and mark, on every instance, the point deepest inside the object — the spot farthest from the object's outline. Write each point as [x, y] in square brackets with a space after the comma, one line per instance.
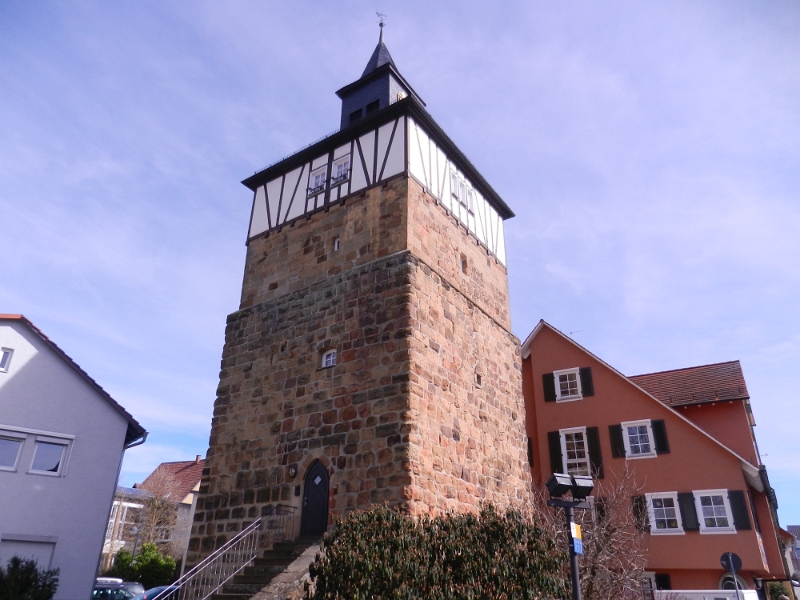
[259, 221]
[395, 163]
[500, 247]
[444, 171]
[358, 180]
[384, 136]
[297, 207]
[273, 197]
[318, 162]
[341, 151]
[367, 142]
[414, 158]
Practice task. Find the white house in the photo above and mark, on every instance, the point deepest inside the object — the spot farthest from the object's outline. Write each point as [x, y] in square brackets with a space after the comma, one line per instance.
[62, 439]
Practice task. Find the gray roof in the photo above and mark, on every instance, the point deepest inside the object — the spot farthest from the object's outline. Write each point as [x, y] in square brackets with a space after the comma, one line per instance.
[379, 58]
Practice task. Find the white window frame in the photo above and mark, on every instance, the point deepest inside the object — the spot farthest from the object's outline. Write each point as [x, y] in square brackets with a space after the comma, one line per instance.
[317, 180]
[62, 465]
[627, 440]
[651, 515]
[5, 359]
[14, 437]
[326, 363]
[698, 494]
[559, 397]
[563, 435]
[335, 174]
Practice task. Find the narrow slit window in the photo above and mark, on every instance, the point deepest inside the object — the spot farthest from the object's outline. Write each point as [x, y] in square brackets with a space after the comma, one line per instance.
[464, 264]
[336, 245]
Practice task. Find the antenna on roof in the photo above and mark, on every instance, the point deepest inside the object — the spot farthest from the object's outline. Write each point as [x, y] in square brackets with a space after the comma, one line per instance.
[381, 24]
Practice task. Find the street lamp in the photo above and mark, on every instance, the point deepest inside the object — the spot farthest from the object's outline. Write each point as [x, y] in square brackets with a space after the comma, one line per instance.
[579, 487]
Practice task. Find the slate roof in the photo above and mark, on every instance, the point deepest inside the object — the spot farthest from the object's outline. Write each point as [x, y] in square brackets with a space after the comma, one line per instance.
[696, 385]
[182, 476]
[135, 430]
[379, 58]
[794, 530]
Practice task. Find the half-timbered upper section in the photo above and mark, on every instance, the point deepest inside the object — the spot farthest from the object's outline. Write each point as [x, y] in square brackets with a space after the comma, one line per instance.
[399, 138]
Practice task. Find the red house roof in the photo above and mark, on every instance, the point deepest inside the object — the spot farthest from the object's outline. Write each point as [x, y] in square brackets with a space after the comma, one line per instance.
[181, 477]
[135, 430]
[696, 385]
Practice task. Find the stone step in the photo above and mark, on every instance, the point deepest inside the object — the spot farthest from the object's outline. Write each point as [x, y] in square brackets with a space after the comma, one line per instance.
[268, 571]
[254, 579]
[231, 596]
[243, 588]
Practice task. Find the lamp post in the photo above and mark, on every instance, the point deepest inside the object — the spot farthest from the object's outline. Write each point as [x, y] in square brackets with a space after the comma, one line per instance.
[579, 487]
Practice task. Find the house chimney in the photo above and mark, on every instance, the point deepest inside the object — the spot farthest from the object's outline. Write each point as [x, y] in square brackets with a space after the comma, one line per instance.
[197, 459]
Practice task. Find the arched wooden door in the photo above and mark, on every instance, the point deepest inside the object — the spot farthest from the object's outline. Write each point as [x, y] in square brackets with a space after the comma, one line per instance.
[315, 501]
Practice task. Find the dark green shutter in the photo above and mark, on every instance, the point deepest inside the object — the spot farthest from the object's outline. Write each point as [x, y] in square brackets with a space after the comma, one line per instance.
[530, 451]
[587, 385]
[688, 511]
[640, 513]
[554, 441]
[617, 443]
[741, 518]
[549, 383]
[753, 511]
[660, 435]
[595, 456]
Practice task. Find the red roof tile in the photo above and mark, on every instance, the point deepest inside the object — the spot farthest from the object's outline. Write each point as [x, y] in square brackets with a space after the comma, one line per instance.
[696, 385]
[180, 477]
[135, 430]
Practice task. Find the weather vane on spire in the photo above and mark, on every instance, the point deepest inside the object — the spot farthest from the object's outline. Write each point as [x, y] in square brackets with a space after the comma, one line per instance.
[381, 22]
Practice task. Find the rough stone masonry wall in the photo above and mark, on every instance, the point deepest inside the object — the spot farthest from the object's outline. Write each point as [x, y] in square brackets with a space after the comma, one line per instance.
[467, 443]
[275, 407]
[401, 417]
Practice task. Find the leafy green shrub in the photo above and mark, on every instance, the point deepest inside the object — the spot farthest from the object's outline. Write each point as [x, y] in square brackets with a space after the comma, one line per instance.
[149, 567]
[22, 580]
[121, 567]
[381, 553]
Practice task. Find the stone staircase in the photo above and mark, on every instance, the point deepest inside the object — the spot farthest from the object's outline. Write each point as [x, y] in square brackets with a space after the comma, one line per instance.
[276, 575]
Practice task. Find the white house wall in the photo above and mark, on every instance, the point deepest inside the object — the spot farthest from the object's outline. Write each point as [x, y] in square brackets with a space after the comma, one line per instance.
[68, 513]
[375, 156]
[431, 166]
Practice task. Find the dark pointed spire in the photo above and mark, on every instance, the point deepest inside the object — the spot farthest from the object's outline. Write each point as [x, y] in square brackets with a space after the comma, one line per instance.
[380, 57]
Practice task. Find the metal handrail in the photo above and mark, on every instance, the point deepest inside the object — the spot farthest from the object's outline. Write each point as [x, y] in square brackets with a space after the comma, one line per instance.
[218, 568]
[225, 562]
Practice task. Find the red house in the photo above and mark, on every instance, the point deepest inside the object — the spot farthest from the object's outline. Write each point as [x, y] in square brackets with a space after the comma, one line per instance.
[686, 435]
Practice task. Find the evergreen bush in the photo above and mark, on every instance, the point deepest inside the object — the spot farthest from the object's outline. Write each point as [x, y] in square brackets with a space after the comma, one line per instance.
[23, 580]
[149, 567]
[382, 553]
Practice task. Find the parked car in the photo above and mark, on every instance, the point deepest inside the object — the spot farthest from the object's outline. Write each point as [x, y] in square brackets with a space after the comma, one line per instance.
[153, 592]
[111, 588]
[134, 587]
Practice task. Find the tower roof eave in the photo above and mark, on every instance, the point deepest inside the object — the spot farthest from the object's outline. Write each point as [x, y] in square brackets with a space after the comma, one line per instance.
[411, 106]
[382, 70]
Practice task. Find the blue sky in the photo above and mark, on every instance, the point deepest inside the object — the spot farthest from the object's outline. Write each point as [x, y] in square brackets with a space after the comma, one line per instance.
[651, 152]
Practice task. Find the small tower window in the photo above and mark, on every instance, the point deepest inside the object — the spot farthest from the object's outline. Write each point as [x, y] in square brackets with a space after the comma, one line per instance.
[373, 106]
[464, 264]
[355, 115]
[316, 181]
[341, 170]
[5, 359]
[328, 359]
[335, 244]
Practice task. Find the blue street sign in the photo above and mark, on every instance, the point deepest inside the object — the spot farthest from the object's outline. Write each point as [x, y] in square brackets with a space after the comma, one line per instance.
[578, 545]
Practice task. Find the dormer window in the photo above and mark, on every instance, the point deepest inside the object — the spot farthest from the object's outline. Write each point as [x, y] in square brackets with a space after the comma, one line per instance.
[373, 106]
[355, 115]
[341, 170]
[328, 359]
[5, 359]
[316, 181]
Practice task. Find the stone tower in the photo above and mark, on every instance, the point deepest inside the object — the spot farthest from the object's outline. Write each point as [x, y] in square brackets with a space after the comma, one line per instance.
[371, 359]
